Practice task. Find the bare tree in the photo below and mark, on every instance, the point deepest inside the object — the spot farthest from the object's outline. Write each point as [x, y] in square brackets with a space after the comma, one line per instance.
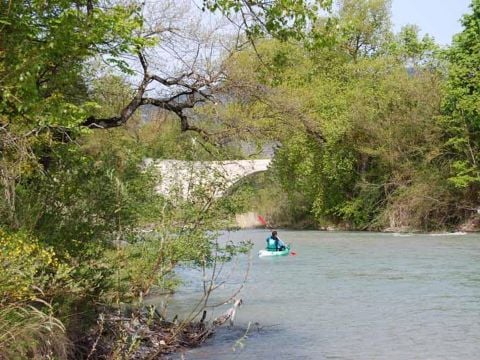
[185, 67]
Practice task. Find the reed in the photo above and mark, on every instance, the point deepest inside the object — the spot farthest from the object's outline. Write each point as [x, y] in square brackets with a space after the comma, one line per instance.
[31, 332]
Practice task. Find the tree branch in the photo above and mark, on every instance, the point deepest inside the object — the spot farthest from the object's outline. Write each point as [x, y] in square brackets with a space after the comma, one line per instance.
[186, 90]
[89, 7]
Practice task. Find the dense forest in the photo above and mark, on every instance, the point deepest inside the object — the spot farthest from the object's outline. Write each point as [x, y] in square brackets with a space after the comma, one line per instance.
[376, 130]
[371, 130]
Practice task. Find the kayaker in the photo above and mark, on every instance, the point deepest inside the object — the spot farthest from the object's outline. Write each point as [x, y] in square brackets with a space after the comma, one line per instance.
[274, 243]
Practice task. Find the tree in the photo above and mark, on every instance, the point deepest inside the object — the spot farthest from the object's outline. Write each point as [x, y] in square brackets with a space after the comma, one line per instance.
[72, 198]
[49, 60]
[365, 26]
[461, 120]
[413, 50]
[282, 19]
[356, 132]
[46, 46]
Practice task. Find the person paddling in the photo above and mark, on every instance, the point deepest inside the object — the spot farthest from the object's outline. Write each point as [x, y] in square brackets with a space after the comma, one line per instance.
[274, 243]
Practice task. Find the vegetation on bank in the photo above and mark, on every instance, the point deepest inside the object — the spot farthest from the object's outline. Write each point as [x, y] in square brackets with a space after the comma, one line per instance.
[375, 130]
[371, 129]
[82, 229]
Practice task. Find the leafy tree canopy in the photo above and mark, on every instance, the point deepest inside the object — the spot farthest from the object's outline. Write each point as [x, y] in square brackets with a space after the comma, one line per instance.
[461, 105]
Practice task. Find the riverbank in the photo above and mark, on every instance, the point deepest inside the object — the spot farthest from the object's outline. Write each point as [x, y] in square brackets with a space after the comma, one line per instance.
[141, 334]
[250, 220]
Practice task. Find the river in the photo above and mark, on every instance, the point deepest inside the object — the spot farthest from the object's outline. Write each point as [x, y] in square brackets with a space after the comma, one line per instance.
[350, 296]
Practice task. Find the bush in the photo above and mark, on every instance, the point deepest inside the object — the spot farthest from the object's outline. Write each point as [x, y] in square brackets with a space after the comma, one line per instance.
[27, 267]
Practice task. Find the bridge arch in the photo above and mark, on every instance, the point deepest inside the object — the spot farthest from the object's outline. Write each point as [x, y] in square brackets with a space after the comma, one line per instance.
[242, 181]
[183, 178]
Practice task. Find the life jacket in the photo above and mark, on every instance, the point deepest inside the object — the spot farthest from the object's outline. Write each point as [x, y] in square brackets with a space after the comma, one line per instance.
[271, 244]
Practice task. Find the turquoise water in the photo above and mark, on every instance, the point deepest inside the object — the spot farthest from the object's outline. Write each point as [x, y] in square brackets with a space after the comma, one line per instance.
[350, 296]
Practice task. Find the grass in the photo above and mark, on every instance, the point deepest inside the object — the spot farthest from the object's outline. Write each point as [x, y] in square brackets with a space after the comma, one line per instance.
[31, 332]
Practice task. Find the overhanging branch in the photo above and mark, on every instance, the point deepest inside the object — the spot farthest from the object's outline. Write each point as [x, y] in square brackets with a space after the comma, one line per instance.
[187, 91]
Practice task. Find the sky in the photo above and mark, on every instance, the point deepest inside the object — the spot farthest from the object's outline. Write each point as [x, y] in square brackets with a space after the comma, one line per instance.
[439, 18]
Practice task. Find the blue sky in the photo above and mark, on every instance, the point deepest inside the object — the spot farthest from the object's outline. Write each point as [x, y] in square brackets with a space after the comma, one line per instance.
[439, 18]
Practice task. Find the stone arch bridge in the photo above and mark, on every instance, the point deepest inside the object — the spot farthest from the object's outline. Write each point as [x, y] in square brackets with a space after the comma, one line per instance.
[214, 178]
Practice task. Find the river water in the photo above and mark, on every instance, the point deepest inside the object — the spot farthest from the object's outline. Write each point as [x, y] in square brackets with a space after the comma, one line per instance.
[350, 296]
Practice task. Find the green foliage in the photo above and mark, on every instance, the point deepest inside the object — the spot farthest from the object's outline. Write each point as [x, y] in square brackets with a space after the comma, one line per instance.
[427, 203]
[356, 123]
[29, 270]
[461, 120]
[283, 19]
[364, 26]
[352, 108]
[77, 211]
[45, 46]
[80, 206]
[263, 194]
[27, 267]
[84, 199]
[413, 50]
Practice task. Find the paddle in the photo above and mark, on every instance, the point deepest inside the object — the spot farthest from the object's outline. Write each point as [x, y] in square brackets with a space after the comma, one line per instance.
[264, 223]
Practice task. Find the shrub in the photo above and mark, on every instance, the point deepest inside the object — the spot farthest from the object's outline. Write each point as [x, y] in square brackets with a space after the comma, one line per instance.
[26, 265]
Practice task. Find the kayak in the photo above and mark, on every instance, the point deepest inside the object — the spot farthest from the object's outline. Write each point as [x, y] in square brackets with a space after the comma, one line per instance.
[265, 253]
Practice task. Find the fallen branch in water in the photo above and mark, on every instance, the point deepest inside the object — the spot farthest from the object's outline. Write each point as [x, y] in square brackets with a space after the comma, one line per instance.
[145, 334]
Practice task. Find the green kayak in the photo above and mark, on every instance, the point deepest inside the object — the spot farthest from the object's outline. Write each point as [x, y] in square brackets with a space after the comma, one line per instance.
[265, 253]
